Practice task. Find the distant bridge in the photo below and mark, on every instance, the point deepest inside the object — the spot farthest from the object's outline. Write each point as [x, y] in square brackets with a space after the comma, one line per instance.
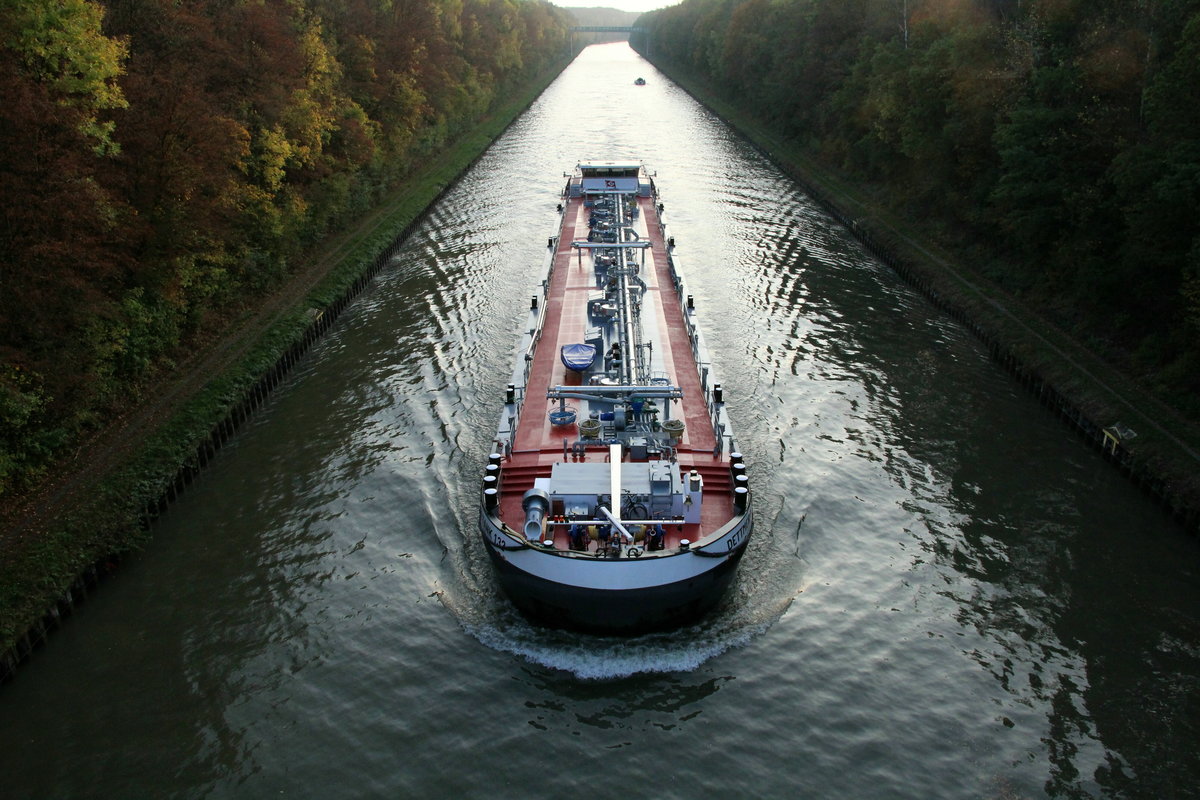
[602, 29]
[606, 29]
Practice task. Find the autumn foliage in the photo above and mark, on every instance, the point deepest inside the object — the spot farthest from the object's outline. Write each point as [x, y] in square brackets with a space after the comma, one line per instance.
[162, 161]
[1056, 143]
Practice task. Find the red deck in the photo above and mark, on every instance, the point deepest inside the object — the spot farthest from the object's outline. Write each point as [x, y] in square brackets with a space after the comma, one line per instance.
[538, 445]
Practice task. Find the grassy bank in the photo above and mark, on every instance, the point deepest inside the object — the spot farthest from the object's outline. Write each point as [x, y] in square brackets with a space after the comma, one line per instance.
[1164, 454]
[89, 535]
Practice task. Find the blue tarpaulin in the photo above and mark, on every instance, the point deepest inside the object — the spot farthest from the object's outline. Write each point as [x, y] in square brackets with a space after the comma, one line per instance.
[577, 356]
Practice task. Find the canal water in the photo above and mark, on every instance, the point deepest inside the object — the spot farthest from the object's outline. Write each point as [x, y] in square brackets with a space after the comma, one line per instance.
[947, 595]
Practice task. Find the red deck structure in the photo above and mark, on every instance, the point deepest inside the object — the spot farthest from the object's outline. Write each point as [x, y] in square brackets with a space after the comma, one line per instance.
[538, 444]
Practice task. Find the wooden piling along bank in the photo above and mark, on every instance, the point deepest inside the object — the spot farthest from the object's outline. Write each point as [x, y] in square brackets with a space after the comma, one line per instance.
[260, 391]
[1106, 438]
[1111, 440]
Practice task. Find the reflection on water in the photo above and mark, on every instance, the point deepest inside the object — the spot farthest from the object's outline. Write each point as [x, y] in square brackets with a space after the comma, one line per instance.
[945, 595]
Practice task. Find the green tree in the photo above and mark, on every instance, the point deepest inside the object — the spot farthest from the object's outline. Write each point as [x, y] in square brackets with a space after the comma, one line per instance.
[61, 43]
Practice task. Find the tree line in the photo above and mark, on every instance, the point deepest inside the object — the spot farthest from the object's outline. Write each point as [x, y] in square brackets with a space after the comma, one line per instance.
[1056, 142]
[165, 161]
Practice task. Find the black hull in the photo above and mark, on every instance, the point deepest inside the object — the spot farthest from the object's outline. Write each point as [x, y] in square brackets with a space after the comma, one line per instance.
[615, 612]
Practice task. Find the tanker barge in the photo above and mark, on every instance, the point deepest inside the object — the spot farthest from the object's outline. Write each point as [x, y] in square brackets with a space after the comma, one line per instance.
[614, 499]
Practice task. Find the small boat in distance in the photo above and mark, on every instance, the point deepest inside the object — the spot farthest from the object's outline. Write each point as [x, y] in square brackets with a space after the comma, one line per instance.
[640, 82]
[614, 499]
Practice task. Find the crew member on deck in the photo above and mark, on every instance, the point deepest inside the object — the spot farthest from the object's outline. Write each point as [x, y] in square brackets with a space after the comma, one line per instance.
[579, 537]
[657, 537]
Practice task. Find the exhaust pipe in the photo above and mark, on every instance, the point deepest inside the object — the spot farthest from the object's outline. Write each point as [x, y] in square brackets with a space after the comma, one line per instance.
[535, 504]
